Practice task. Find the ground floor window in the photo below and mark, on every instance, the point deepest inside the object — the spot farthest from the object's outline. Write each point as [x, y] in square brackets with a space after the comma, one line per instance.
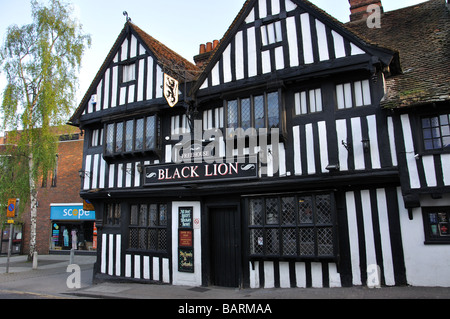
[437, 225]
[300, 226]
[149, 227]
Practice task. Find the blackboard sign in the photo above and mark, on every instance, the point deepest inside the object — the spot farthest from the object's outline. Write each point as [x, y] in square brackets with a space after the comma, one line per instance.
[185, 217]
[186, 260]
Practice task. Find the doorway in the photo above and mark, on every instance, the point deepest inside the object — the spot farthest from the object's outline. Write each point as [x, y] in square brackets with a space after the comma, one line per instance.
[224, 247]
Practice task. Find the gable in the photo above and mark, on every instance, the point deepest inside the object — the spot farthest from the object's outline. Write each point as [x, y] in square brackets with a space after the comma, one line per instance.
[274, 35]
[131, 74]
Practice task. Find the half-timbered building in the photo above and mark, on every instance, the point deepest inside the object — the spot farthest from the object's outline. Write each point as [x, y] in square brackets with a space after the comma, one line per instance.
[289, 160]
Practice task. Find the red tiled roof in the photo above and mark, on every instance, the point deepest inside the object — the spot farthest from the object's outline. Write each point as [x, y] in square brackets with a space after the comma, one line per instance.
[166, 56]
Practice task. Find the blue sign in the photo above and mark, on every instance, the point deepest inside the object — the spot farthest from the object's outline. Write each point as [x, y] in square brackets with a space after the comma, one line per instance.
[70, 212]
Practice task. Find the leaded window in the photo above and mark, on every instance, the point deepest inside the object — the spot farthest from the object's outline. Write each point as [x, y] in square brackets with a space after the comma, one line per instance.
[259, 111]
[149, 227]
[300, 226]
[133, 135]
[112, 215]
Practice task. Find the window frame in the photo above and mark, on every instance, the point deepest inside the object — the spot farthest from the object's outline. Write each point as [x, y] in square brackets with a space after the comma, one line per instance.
[128, 72]
[272, 34]
[148, 228]
[111, 149]
[353, 95]
[423, 138]
[430, 238]
[253, 119]
[112, 218]
[291, 229]
[298, 101]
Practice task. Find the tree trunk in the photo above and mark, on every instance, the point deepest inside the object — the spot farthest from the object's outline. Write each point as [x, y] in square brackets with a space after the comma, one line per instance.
[33, 209]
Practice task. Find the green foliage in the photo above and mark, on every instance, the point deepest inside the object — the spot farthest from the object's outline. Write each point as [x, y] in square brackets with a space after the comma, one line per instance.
[41, 62]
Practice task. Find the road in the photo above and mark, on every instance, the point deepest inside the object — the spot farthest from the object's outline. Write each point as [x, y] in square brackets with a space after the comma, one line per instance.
[49, 281]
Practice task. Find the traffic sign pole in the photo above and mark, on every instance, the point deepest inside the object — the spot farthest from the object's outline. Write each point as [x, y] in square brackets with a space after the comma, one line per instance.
[11, 229]
[10, 213]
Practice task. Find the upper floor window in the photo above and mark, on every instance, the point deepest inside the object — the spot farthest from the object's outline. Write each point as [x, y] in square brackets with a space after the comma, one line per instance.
[307, 102]
[128, 73]
[96, 137]
[271, 33]
[260, 111]
[134, 135]
[436, 132]
[353, 94]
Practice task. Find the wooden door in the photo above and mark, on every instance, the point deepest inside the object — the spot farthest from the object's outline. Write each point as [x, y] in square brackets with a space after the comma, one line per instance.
[224, 247]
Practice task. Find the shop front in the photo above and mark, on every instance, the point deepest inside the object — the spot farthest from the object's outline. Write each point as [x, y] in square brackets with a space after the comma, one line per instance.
[72, 227]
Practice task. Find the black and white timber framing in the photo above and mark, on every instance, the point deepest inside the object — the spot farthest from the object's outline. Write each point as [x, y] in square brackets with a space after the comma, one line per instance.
[336, 142]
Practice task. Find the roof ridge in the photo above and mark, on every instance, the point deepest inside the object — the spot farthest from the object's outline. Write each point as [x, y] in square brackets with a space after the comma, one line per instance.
[166, 55]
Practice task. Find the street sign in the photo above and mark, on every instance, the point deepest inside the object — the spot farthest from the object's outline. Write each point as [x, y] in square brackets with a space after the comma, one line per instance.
[11, 209]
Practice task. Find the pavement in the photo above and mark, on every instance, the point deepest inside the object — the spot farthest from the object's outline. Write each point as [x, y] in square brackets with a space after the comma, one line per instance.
[51, 280]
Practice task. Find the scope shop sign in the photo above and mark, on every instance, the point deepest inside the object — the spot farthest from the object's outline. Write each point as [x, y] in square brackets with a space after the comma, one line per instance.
[199, 172]
[70, 212]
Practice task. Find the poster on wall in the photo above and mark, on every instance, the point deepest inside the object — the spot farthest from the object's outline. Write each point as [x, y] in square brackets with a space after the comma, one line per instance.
[185, 217]
[185, 239]
[186, 260]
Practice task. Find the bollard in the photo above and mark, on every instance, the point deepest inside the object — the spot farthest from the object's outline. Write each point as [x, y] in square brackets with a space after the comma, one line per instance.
[35, 260]
[72, 253]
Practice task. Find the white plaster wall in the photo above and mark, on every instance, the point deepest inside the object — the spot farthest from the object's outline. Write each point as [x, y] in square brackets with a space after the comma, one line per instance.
[426, 265]
[182, 278]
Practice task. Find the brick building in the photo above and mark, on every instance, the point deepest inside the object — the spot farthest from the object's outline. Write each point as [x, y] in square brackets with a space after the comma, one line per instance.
[59, 204]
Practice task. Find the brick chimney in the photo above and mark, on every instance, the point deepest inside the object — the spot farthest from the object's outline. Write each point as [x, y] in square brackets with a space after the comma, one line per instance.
[205, 53]
[358, 8]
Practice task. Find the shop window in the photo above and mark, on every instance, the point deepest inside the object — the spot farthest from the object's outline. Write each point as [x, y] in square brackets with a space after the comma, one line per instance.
[353, 94]
[112, 215]
[299, 226]
[138, 135]
[261, 111]
[437, 225]
[436, 132]
[149, 227]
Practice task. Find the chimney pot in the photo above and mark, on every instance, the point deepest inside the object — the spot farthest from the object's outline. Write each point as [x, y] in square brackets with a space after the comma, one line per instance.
[215, 44]
[209, 47]
[202, 48]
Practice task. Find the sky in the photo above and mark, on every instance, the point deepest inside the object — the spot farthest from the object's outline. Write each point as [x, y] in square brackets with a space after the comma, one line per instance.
[182, 25]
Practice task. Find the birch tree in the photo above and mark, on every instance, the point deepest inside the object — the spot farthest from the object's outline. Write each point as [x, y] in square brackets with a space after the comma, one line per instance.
[41, 62]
